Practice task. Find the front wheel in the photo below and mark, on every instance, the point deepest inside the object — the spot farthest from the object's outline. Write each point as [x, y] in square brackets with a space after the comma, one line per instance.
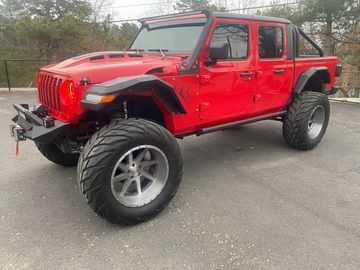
[306, 121]
[130, 170]
[53, 153]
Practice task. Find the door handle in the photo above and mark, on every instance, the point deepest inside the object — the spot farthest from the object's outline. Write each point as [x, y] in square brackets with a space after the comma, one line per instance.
[246, 74]
[279, 71]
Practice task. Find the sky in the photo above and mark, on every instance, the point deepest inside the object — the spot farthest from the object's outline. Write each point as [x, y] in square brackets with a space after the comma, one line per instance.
[130, 9]
[119, 12]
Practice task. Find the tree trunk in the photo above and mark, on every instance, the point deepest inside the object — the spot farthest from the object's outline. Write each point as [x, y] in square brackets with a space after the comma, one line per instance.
[328, 35]
[357, 92]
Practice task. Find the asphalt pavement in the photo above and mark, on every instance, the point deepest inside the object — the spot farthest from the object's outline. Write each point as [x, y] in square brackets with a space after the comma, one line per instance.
[247, 201]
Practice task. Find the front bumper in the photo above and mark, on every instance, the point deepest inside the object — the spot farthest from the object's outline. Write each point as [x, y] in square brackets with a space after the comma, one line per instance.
[36, 125]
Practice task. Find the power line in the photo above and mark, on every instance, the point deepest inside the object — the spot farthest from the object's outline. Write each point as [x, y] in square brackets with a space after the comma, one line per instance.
[259, 7]
[140, 5]
[237, 9]
[228, 10]
[124, 20]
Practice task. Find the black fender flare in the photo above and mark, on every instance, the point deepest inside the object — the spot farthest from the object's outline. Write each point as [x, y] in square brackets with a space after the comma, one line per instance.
[323, 73]
[133, 84]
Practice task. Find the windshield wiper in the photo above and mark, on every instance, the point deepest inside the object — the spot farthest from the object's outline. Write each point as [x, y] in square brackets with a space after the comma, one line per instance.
[162, 51]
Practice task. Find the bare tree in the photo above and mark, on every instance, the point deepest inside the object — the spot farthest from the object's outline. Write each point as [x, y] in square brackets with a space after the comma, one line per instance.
[10, 8]
[245, 5]
[161, 7]
[98, 9]
[226, 4]
[164, 7]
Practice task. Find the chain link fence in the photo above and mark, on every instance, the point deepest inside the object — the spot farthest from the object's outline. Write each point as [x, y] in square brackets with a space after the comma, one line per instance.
[20, 73]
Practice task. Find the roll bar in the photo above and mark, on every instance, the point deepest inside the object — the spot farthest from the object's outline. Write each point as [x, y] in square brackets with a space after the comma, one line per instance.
[304, 35]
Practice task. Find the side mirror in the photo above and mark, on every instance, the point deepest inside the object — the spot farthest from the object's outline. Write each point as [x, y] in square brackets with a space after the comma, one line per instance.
[219, 50]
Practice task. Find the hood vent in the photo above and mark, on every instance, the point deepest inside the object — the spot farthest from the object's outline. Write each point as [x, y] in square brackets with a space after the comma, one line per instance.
[155, 70]
[96, 57]
[116, 55]
[135, 55]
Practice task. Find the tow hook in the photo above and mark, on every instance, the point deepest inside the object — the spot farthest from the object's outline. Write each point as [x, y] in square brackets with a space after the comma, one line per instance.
[19, 134]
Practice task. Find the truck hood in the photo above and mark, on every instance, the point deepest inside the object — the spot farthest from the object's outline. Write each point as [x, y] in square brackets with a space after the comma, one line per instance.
[104, 66]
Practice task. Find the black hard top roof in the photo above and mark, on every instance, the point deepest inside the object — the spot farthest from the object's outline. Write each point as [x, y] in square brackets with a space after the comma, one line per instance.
[227, 15]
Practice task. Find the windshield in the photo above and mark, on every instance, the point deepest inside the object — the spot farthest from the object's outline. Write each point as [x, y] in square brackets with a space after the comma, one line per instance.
[170, 38]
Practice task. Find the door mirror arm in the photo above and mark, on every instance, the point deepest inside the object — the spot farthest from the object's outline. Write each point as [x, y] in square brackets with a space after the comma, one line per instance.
[210, 62]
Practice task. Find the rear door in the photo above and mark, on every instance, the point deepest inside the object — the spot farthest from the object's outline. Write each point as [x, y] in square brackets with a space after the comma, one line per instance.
[226, 88]
[273, 70]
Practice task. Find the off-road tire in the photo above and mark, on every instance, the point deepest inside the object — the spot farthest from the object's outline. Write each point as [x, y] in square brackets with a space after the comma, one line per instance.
[54, 154]
[296, 121]
[98, 160]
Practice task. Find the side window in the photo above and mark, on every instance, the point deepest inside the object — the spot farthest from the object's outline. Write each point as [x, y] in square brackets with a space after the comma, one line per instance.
[236, 35]
[270, 42]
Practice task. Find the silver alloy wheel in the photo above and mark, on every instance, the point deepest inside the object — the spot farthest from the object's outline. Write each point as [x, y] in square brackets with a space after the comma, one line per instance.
[139, 175]
[316, 122]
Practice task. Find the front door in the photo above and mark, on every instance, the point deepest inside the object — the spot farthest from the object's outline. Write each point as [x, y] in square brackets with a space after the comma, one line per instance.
[226, 88]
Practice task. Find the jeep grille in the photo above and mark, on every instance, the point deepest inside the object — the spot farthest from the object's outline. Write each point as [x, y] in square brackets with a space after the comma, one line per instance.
[49, 91]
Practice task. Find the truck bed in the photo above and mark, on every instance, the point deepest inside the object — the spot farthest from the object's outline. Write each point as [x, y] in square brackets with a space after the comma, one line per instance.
[304, 63]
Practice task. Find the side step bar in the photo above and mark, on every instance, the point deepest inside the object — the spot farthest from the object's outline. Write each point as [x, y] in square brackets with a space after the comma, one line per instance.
[241, 122]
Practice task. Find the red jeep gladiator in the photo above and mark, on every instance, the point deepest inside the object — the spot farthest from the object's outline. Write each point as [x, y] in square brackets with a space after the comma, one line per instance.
[116, 115]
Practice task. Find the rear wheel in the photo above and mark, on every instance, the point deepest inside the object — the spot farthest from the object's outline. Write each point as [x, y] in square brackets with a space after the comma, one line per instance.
[130, 170]
[306, 121]
[53, 153]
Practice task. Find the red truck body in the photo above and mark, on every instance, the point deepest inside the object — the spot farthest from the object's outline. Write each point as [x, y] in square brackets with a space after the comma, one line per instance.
[215, 95]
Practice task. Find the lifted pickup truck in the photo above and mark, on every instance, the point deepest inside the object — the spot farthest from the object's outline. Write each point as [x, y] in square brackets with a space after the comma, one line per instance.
[116, 115]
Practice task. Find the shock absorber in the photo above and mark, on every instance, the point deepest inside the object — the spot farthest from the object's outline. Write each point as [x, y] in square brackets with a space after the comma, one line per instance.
[120, 114]
[125, 110]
